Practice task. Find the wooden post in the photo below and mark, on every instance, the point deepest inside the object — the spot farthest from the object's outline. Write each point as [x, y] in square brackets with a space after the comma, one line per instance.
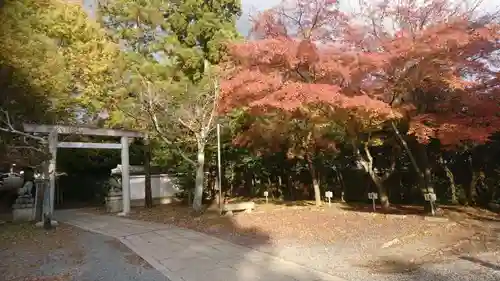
[125, 176]
[52, 170]
[148, 196]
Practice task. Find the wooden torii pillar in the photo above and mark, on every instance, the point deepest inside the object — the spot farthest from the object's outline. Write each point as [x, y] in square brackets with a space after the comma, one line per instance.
[55, 130]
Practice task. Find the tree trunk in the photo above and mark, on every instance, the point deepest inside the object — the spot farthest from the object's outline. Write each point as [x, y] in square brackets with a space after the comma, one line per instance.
[382, 191]
[423, 179]
[287, 175]
[211, 185]
[428, 180]
[471, 188]
[425, 176]
[233, 178]
[198, 188]
[223, 179]
[342, 185]
[315, 181]
[407, 148]
[367, 164]
[317, 191]
[471, 192]
[148, 196]
[453, 187]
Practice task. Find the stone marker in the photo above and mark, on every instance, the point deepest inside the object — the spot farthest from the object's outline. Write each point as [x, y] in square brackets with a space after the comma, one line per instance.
[23, 209]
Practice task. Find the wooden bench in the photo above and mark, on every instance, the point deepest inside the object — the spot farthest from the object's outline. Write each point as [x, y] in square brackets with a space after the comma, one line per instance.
[247, 207]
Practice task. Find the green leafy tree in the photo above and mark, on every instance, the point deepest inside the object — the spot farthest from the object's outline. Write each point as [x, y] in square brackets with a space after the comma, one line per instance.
[170, 72]
[56, 65]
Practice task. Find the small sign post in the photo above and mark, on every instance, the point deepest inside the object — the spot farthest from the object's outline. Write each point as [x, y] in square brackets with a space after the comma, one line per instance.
[329, 195]
[431, 198]
[266, 194]
[373, 196]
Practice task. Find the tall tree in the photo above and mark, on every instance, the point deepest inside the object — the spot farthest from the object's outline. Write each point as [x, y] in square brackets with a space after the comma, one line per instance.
[304, 133]
[174, 48]
[288, 68]
[429, 61]
[438, 58]
[56, 65]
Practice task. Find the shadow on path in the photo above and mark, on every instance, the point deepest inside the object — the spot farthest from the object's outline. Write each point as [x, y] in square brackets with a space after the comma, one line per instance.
[461, 269]
[186, 255]
[481, 262]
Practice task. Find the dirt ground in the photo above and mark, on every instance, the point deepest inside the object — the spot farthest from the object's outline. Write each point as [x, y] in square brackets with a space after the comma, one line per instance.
[374, 237]
[66, 253]
[29, 247]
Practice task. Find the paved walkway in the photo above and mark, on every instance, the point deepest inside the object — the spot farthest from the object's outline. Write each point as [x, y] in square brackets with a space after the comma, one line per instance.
[186, 255]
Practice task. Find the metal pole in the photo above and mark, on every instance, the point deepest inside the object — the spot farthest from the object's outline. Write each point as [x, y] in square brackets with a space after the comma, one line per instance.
[219, 169]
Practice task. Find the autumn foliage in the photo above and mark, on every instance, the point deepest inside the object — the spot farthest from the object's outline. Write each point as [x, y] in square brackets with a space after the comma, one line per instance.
[429, 63]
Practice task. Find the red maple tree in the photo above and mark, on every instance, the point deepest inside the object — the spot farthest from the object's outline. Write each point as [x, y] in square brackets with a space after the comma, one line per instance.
[292, 66]
[438, 73]
[439, 66]
[423, 62]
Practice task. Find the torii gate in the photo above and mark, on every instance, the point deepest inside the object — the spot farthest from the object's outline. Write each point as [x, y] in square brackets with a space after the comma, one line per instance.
[55, 130]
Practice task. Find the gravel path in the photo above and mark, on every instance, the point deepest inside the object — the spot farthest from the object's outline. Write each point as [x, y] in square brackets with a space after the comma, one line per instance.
[92, 257]
[480, 267]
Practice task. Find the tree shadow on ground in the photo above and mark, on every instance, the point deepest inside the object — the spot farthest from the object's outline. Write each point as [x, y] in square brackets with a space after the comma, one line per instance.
[481, 262]
[254, 255]
[256, 247]
[393, 209]
[276, 202]
[210, 221]
[474, 258]
[474, 213]
[462, 268]
[203, 254]
[255, 264]
[454, 212]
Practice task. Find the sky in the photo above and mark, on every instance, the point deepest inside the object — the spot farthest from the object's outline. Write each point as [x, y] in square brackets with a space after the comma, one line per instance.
[243, 25]
[249, 7]
[252, 6]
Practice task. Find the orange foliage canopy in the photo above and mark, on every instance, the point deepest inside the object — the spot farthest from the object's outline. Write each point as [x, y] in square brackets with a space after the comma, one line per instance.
[433, 66]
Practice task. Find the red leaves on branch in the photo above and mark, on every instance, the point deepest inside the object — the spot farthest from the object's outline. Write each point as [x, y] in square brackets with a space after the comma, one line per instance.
[442, 73]
[431, 59]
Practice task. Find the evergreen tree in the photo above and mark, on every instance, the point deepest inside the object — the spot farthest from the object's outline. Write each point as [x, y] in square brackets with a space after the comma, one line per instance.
[170, 86]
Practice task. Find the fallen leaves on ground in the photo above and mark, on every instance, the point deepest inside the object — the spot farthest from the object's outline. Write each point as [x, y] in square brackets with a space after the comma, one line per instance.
[26, 237]
[25, 247]
[348, 227]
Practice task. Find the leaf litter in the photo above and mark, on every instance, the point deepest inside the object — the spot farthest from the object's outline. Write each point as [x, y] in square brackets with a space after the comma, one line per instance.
[368, 234]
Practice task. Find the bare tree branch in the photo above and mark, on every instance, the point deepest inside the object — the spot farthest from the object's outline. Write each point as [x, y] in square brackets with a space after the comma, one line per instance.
[149, 109]
[9, 128]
